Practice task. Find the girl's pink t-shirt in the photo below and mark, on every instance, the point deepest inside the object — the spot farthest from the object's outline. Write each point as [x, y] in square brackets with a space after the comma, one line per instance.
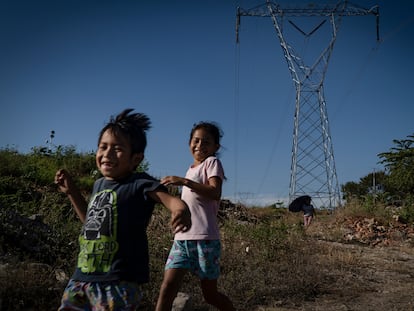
[203, 210]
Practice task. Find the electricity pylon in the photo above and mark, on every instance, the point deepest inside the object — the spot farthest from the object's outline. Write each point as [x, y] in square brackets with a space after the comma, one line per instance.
[313, 169]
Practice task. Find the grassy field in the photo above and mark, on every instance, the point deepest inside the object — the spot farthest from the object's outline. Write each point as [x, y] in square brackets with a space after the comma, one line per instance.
[269, 262]
[358, 257]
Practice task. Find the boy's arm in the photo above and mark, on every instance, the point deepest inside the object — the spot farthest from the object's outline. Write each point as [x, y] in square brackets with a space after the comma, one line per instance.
[79, 204]
[180, 214]
[67, 186]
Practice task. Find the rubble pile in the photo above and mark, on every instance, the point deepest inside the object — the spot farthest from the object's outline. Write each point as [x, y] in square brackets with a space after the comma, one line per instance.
[229, 210]
[371, 232]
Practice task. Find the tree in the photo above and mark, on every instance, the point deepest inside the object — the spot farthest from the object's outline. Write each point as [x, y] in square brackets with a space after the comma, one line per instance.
[371, 184]
[399, 163]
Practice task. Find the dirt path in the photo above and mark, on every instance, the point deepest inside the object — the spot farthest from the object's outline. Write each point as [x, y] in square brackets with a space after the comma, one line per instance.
[381, 279]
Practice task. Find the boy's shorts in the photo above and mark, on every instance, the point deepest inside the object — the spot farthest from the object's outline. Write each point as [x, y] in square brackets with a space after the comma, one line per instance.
[100, 296]
[201, 257]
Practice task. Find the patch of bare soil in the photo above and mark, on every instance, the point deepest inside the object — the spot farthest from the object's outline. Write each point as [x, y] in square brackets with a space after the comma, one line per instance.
[381, 279]
[375, 268]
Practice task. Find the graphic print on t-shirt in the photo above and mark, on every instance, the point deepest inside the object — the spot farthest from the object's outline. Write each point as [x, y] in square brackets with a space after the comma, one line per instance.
[97, 241]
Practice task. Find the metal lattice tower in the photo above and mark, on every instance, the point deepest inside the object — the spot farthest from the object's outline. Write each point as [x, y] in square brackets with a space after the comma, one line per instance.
[313, 169]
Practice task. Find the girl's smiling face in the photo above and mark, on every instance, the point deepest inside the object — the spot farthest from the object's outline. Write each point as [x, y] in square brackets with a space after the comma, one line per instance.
[202, 145]
[114, 158]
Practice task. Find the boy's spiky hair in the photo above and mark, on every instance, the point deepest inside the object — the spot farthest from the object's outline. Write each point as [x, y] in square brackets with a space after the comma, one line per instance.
[133, 126]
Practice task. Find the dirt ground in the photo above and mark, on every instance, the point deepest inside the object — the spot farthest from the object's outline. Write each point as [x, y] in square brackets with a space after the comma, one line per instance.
[384, 280]
[380, 274]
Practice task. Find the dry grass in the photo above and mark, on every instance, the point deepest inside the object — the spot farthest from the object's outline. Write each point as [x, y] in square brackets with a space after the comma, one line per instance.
[269, 262]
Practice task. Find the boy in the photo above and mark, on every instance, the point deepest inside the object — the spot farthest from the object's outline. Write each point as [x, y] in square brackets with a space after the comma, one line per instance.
[113, 259]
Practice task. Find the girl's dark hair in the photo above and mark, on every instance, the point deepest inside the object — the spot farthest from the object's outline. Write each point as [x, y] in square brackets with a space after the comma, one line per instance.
[132, 126]
[211, 128]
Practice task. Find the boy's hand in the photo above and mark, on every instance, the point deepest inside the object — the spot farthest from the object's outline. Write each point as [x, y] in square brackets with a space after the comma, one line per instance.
[181, 220]
[180, 213]
[67, 186]
[64, 181]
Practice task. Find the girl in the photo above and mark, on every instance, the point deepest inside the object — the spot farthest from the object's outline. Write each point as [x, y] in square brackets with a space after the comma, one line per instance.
[198, 250]
[308, 212]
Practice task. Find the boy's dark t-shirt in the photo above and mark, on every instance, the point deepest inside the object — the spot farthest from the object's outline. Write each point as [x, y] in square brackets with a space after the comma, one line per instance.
[113, 240]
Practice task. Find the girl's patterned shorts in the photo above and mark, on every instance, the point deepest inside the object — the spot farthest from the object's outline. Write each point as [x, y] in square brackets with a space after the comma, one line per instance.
[100, 296]
[201, 257]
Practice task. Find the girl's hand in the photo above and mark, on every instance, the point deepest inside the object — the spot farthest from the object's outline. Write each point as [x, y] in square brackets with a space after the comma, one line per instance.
[172, 180]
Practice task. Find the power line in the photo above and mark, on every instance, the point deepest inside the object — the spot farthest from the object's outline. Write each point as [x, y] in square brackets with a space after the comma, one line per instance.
[313, 169]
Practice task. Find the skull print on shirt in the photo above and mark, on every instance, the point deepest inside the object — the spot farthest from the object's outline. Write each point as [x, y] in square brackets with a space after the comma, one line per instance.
[97, 241]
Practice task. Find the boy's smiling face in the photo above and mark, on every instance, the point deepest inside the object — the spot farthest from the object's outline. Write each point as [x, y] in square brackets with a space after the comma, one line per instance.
[114, 158]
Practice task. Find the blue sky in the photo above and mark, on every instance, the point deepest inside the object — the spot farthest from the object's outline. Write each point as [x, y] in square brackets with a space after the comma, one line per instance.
[68, 65]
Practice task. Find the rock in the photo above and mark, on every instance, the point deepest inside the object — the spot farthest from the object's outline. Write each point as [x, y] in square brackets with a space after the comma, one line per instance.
[182, 302]
[3, 271]
[27, 236]
[61, 276]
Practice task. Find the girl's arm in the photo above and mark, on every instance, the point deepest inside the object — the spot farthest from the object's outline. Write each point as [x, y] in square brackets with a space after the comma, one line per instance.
[212, 190]
[180, 214]
[67, 186]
